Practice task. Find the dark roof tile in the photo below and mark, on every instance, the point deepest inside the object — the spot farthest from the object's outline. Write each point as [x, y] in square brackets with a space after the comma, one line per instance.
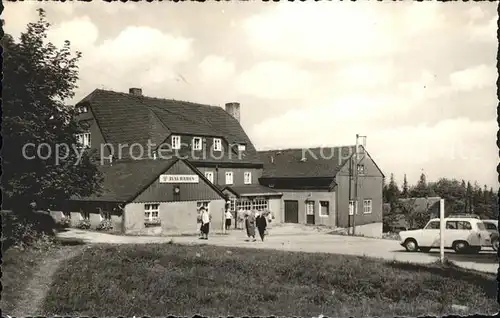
[122, 181]
[127, 119]
[319, 162]
[252, 189]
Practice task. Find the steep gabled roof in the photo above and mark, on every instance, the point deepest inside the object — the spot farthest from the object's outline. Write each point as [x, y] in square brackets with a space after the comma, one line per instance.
[127, 119]
[124, 181]
[319, 162]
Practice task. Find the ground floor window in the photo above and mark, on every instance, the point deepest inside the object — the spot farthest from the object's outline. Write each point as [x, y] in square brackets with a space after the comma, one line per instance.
[151, 212]
[353, 207]
[85, 215]
[105, 215]
[255, 204]
[260, 205]
[324, 208]
[367, 206]
[232, 204]
[244, 204]
[202, 204]
[309, 207]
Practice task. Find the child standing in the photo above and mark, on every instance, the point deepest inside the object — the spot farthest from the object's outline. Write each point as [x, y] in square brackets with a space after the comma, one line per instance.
[229, 217]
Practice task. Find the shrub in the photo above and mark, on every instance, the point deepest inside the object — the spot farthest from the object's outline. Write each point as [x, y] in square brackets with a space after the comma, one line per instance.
[84, 224]
[105, 225]
[27, 229]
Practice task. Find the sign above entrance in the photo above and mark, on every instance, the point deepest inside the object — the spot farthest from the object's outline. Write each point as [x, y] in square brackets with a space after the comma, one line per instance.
[179, 178]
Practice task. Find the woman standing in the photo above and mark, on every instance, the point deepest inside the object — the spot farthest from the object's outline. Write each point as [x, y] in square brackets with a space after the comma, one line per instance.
[229, 217]
[261, 223]
[250, 225]
[205, 223]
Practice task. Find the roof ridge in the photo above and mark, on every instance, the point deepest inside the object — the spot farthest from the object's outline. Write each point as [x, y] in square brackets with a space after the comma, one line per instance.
[156, 98]
[301, 148]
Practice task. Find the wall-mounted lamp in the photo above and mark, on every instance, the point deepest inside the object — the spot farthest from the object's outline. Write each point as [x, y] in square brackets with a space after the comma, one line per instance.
[177, 190]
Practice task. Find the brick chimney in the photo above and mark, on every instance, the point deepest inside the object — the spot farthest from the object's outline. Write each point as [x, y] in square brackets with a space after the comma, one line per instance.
[135, 91]
[233, 109]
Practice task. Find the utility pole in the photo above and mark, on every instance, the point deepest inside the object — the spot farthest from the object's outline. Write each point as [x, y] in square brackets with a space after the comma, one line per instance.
[357, 160]
[350, 193]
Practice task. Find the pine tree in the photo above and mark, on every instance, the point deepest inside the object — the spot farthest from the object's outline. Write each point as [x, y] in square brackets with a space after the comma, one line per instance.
[468, 200]
[405, 190]
[422, 189]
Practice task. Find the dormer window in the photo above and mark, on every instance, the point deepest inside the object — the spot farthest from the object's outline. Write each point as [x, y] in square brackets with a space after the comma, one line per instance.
[197, 143]
[247, 177]
[82, 109]
[176, 142]
[361, 169]
[83, 139]
[242, 147]
[217, 144]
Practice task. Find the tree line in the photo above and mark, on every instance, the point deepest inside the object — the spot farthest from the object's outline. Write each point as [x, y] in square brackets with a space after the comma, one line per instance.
[461, 197]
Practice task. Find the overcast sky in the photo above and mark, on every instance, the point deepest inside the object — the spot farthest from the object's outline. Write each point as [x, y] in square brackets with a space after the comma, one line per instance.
[417, 78]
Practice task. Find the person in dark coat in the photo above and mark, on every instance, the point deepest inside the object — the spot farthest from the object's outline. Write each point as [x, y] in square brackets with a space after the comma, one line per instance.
[261, 223]
[250, 224]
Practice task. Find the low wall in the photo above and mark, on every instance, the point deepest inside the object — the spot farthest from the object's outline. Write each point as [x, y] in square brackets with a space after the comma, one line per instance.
[368, 230]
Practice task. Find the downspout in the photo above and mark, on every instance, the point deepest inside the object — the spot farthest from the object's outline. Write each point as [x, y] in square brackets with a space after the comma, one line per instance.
[121, 208]
[350, 194]
[217, 174]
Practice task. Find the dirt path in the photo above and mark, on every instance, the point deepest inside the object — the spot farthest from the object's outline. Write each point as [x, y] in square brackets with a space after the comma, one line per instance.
[36, 290]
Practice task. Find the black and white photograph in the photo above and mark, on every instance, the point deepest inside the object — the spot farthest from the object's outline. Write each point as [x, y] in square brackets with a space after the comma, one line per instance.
[249, 158]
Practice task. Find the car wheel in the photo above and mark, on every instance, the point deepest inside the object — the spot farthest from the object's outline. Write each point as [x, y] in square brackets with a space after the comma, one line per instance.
[411, 245]
[425, 249]
[494, 244]
[460, 246]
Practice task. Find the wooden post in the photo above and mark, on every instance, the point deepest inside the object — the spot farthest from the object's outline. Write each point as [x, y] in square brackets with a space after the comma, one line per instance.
[441, 230]
[224, 218]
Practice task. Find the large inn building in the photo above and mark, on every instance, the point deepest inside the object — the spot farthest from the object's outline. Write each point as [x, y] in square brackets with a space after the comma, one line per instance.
[164, 159]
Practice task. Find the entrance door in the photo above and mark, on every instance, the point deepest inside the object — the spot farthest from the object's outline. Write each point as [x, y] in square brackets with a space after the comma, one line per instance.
[310, 212]
[291, 211]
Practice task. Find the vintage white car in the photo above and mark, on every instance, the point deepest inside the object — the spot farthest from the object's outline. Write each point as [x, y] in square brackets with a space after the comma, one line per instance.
[460, 234]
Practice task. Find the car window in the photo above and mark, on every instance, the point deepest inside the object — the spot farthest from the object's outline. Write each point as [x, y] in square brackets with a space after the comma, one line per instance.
[490, 226]
[465, 225]
[432, 225]
[480, 226]
[451, 225]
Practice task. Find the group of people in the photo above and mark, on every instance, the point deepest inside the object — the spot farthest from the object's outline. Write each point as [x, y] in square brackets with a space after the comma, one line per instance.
[256, 220]
[253, 220]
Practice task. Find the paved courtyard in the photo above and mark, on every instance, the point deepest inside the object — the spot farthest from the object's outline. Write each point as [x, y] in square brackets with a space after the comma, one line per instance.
[295, 239]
